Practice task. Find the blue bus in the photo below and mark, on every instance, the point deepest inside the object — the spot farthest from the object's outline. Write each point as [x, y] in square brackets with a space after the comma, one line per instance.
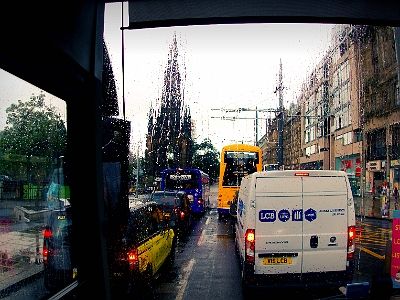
[194, 182]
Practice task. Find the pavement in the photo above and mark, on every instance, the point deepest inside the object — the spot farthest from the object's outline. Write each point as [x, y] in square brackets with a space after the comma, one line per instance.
[20, 249]
[371, 207]
[20, 263]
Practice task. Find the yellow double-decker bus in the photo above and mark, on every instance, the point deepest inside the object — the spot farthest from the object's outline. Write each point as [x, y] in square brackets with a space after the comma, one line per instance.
[237, 161]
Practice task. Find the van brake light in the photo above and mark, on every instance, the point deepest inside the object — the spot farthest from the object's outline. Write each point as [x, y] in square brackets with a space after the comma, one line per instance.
[250, 236]
[351, 242]
[250, 246]
[301, 174]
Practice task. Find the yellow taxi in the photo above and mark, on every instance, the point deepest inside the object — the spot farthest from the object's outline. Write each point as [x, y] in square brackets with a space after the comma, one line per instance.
[148, 244]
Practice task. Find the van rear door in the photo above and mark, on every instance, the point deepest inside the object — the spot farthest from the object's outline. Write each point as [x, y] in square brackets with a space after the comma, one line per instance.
[325, 227]
[301, 224]
[279, 213]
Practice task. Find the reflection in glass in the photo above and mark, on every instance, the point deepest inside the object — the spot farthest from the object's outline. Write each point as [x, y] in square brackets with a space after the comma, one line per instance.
[35, 217]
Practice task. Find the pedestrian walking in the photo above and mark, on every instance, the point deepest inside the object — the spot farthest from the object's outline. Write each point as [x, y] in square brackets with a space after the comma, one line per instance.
[373, 191]
[396, 197]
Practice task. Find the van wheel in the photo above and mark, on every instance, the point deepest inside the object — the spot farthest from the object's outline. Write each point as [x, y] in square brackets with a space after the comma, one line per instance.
[236, 248]
[246, 291]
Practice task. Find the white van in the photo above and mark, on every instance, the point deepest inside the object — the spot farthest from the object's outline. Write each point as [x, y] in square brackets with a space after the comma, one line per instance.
[295, 229]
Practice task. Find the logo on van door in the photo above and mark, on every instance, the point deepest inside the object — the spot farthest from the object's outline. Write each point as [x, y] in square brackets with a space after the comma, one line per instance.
[297, 215]
[267, 215]
[284, 215]
[310, 214]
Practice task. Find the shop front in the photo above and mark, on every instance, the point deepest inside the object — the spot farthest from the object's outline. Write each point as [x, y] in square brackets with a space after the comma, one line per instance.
[351, 164]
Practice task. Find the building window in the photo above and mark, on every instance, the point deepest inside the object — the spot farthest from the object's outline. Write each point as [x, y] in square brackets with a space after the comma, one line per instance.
[395, 142]
[343, 48]
[373, 102]
[376, 145]
[358, 135]
[385, 97]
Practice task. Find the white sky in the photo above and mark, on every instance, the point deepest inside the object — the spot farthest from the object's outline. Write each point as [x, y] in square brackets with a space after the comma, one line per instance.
[226, 66]
[13, 89]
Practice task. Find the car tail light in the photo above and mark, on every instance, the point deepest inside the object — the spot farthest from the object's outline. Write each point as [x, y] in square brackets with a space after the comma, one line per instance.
[351, 242]
[250, 245]
[200, 201]
[133, 259]
[182, 215]
[47, 233]
[45, 255]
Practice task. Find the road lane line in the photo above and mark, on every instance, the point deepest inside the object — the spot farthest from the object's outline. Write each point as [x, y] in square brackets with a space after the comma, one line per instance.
[185, 279]
[200, 238]
[372, 253]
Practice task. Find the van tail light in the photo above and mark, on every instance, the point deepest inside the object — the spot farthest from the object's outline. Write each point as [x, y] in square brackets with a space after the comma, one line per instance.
[45, 255]
[301, 174]
[351, 242]
[250, 245]
[133, 259]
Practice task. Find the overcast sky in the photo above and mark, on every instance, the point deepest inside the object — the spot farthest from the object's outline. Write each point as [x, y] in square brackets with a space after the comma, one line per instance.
[222, 66]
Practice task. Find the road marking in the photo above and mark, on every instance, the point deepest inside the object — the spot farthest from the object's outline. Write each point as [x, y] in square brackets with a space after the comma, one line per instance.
[200, 238]
[207, 221]
[185, 279]
[372, 253]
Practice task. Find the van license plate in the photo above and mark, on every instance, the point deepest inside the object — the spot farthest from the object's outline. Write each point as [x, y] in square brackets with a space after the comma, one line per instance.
[277, 260]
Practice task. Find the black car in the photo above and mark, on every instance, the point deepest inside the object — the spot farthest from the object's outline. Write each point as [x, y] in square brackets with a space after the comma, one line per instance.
[176, 206]
[58, 249]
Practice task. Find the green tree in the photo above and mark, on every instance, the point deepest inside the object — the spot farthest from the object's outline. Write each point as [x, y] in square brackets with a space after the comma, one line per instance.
[33, 130]
[206, 158]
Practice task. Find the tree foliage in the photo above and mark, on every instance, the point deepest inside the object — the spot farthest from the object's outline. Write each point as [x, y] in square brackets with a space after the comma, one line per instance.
[33, 129]
[206, 158]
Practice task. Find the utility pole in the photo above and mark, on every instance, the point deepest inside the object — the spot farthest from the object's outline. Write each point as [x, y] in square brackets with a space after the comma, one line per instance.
[137, 173]
[279, 89]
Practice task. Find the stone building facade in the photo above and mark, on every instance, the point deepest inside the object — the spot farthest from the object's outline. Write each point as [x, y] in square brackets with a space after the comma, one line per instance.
[349, 117]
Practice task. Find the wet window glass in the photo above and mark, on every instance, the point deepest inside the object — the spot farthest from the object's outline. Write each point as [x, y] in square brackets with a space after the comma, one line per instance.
[295, 128]
[35, 214]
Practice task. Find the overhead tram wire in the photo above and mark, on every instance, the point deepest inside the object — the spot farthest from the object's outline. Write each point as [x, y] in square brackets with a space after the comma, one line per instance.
[241, 109]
